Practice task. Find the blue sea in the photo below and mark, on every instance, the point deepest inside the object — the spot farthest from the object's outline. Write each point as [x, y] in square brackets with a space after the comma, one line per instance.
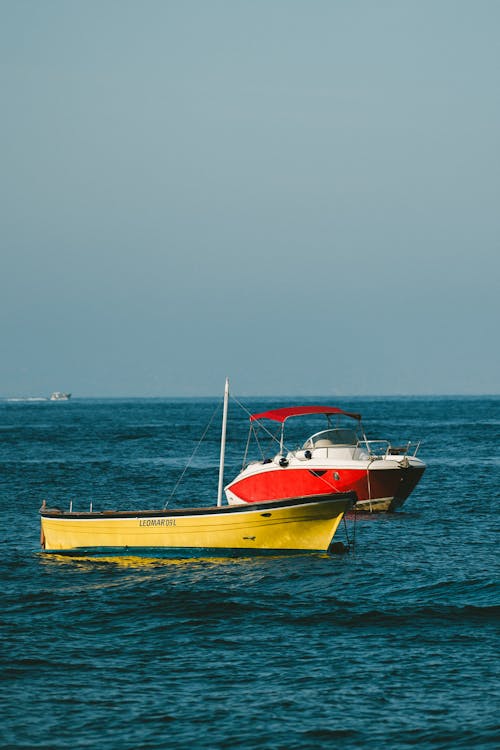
[392, 645]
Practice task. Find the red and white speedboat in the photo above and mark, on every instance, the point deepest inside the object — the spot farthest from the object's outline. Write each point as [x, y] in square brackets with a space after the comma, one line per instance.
[336, 459]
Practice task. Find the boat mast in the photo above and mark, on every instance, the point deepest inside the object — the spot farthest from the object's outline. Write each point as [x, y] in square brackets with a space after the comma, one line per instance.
[223, 443]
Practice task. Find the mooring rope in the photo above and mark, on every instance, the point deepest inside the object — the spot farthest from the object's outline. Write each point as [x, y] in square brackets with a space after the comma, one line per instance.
[369, 487]
[217, 408]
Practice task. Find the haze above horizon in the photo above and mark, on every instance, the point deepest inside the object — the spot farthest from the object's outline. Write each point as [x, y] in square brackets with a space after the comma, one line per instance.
[303, 196]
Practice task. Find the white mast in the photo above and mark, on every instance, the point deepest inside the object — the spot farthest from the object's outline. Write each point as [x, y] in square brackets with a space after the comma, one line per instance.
[223, 443]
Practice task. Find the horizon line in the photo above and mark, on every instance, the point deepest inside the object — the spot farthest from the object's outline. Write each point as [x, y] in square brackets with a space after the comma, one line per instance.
[264, 396]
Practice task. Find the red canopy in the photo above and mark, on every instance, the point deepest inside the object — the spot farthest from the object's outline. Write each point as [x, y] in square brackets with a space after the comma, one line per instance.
[280, 415]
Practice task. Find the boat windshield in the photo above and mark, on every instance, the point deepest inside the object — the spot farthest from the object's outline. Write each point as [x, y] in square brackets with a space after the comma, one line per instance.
[333, 437]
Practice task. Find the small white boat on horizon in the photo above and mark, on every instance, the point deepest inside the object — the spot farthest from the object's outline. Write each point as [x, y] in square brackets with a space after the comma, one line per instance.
[60, 396]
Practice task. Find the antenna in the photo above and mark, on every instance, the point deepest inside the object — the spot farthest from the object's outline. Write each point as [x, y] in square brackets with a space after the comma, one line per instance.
[223, 443]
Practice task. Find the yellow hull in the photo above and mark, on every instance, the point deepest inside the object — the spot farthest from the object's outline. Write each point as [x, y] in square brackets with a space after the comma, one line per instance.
[302, 524]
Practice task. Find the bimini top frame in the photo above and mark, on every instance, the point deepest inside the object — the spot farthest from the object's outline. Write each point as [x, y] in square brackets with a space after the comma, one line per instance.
[281, 415]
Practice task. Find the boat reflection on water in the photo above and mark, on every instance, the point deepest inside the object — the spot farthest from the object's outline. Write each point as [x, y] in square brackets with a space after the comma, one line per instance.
[150, 563]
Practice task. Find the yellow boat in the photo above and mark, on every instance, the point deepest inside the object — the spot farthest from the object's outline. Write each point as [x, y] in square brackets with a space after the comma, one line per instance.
[298, 525]
[295, 525]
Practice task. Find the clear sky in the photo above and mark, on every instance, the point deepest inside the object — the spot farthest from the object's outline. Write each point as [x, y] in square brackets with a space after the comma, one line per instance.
[300, 194]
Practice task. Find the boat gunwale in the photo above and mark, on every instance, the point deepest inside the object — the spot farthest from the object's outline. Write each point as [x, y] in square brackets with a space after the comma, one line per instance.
[57, 513]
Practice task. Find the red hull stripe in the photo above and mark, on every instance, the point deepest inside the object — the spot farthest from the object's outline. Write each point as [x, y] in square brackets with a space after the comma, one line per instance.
[284, 483]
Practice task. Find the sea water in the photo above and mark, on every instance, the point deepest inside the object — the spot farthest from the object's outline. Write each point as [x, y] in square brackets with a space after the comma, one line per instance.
[394, 644]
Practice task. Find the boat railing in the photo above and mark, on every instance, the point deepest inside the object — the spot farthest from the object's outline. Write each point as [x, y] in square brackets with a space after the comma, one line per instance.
[375, 448]
[384, 448]
[417, 446]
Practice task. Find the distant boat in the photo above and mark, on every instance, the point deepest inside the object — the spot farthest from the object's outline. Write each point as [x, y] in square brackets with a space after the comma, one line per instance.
[296, 524]
[60, 396]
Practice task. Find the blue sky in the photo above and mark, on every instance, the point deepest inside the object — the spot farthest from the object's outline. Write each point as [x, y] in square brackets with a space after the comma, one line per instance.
[301, 195]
